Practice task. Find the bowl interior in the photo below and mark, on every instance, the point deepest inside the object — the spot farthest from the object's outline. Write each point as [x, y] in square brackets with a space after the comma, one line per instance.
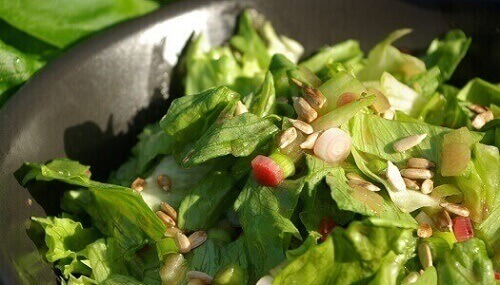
[90, 103]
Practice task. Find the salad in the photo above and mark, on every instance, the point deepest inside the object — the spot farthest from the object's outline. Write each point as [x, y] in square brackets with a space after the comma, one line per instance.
[340, 168]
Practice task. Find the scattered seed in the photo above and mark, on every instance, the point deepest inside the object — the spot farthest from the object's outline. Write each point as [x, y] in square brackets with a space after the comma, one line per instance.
[314, 97]
[394, 177]
[354, 176]
[196, 282]
[416, 173]
[169, 210]
[240, 108]
[29, 202]
[287, 137]
[197, 238]
[297, 82]
[411, 184]
[363, 184]
[182, 242]
[443, 221]
[412, 277]
[424, 230]
[265, 280]
[425, 255]
[427, 186]
[164, 181]
[456, 209]
[166, 219]
[389, 114]
[139, 184]
[481, 119]
[207, 279]
[421, 163]
[172, 232]
[302, 126]
[304, 110]
[478, 109]
[408, 142]
[310, 141]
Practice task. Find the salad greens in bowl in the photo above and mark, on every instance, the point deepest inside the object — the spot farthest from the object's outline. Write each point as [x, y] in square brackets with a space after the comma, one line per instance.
[340, 168]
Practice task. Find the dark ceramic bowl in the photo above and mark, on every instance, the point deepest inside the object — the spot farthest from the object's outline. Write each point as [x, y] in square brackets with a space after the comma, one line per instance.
[90, 103]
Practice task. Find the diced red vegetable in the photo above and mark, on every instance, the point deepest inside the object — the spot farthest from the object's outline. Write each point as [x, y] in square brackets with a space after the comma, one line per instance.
[326, 226]
[497, 275]
[462, 228]
[266, 171]
[346, 98]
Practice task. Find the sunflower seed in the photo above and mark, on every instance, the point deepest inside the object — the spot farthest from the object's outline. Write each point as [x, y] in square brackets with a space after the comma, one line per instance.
[389, 114]
[138, 184]
[456, 209]
[182, 242]
[310, 141]
[363, 184]
[304, 110]
[411, 184]
[408, 142]
[443, 221]
[416, 173]
[240, 108]
[172, 232]
[169, 210]
[196, 282]
[265, 280]
[166, 219]
[314, 97]
[412, 277]
[287, 137]
[478, 109]
[197, 238]
[421, 163]
[427, 186]
[425, 255]
[354, 176]
[394, 177]
[481, 119]
[302, 126]
[424, 230]
[164, 181]
[200, 276]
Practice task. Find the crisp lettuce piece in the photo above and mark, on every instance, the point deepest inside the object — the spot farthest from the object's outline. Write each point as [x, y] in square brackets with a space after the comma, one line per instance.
[341, 53]
[401, 96]
[480, 92]
[425, 83]
[280, 44]
[264, 101]
[239, 136]
[362, 253]
[384, 57]
[466, 263]
[444, 109]
[335, 86]
[190, 115]
[447, 53]
[64, 239]
[264, 214]
[153, 143]
[212, 196]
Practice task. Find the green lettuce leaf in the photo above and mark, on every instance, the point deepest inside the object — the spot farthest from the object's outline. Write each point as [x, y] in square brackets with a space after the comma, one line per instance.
[341, 52]
[466, 263]
[340, 83]
[362, 253]
[212, 196]
[190, 115]
[61, 23]
[447, 53]
[153, 143]
[264, 214]
[384, 57]
[401, 96]
[239, 136]
[264, 100]
[480, 92]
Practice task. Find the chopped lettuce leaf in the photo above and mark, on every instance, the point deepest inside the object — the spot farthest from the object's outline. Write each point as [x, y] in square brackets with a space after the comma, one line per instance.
[447, 53]
[362, 253]
[384, 57]
[337, 85]
[341, 52]
[480, 92]
[264, 100]
[401, 96]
